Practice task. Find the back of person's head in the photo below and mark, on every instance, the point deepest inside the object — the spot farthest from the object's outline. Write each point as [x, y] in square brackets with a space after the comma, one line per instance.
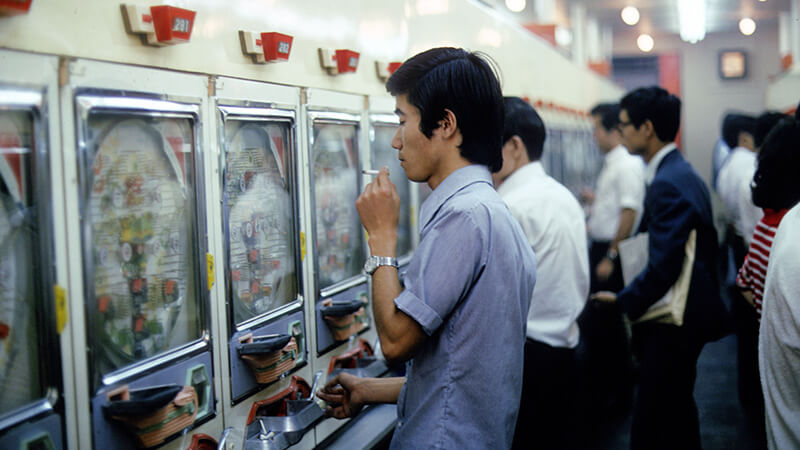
[523, 121]
[764, 123]
[735, 124]
[463, 82]
[608, 114]
[658, 106]
[775, 184]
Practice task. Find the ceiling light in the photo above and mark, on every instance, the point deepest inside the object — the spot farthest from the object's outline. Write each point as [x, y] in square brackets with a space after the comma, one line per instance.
[563, 36]
[747, 26]
[692, 18]
[630, 15]
[645, 42]
[515, 5]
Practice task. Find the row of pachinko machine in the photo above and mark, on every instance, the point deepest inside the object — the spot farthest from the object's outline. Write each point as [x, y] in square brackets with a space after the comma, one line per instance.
[180, 256]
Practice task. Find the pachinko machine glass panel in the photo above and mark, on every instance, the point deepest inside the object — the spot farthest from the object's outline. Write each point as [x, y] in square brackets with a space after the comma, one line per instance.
[260, 223]
[383, 154]
[30, 367]
[338, 236]
[144, 256]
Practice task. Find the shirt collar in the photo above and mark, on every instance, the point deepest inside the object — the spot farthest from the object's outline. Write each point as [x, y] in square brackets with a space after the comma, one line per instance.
[652, 166]
[454, 182]
[521, 176]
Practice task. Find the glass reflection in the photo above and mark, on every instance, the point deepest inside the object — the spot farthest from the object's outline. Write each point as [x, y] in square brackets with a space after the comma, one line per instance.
[384, 155]
[139, 212]
[339, 241]
[19, 370]
[259, 218]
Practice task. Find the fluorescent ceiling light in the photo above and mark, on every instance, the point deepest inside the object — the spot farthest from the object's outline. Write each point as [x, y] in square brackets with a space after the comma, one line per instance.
[747, 26]
[515, 5]
[645, 42]
[630, 15]
[692, 17]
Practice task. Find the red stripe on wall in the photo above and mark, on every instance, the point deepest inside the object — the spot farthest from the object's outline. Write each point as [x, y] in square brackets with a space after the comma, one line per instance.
[669, 77]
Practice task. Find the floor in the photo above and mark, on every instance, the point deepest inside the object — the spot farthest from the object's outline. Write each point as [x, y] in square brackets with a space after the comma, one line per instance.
[723, 424]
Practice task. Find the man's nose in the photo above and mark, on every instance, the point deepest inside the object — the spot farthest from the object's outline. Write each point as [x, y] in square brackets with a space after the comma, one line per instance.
[397, 142]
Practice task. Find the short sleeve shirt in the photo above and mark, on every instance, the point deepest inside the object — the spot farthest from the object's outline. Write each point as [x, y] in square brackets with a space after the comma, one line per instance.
[620, 185]
[469, 286]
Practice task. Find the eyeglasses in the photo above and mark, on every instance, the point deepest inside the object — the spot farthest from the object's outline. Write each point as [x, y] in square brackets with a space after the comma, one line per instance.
[622, 125]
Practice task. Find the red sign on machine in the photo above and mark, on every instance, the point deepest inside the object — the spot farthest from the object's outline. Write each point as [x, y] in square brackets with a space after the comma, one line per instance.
[173, 25]
[346, 60]
[276, 46]
[160, 25]
[266, 47]
[14, 7]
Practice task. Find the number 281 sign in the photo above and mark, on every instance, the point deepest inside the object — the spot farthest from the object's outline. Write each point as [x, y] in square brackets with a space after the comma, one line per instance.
[172, 25]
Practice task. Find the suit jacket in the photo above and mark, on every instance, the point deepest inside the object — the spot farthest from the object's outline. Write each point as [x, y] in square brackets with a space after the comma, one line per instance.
[676, 202]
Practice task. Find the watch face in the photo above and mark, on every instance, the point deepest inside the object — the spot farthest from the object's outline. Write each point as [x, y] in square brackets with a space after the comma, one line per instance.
[370, 265]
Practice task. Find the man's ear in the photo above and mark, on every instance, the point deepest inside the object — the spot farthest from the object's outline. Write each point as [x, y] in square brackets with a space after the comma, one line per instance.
[448, 125]
[649, 128]
[746, 140]
[518, 147]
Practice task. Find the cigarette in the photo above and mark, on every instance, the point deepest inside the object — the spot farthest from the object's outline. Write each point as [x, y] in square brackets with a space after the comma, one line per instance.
[372, 172]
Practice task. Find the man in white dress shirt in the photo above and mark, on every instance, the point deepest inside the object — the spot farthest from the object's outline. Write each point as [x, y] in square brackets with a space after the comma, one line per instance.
[616, 207]
[617, 201]
[733, 182]
[553, 222]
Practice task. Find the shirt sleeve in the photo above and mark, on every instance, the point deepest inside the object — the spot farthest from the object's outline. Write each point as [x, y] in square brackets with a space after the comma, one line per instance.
[744, 279]
[448, 261]
[630, 186]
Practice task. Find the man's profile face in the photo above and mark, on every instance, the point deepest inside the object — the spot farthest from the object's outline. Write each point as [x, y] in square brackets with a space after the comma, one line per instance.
[632, 137]
[416, 152]
[601, 136]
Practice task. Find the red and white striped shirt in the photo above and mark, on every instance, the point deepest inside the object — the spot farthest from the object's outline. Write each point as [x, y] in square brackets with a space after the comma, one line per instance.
[754, 269]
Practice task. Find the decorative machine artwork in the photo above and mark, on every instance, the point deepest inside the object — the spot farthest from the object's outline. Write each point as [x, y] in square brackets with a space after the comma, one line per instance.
[339, 241]
[19, 370]
[384, 155]
[259, 218]
[139, 215]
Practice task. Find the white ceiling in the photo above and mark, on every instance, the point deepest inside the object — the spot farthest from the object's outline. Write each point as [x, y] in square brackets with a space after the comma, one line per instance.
[660, 16]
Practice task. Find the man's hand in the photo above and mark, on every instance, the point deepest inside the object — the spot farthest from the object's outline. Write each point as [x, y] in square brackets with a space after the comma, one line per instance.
[379, 209]
[344, 394]
[604, 269]
[604, 296]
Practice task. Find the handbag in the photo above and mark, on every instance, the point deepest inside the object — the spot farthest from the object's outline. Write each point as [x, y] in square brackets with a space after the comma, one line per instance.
[633, 254]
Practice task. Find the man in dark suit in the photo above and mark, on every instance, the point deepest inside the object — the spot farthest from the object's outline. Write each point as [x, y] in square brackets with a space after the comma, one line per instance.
[676, 202]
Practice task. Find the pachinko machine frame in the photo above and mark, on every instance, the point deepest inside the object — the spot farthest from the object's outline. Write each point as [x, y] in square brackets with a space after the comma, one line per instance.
[263, 242]
[32, 308]
[335, 141]
[146, 269]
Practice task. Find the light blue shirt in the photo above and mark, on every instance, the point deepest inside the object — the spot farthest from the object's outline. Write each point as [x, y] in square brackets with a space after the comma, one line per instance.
[469, 286]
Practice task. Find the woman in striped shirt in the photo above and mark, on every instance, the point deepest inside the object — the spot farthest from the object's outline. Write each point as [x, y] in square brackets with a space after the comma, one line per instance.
[775, 189]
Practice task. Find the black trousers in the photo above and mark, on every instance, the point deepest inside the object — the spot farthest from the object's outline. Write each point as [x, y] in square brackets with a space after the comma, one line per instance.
[548, 410]
[597, 251]
[664, 412]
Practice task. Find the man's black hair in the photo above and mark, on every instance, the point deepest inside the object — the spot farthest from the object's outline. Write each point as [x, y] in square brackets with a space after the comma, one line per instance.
[609, 115]
[797, 112]
[464, 82]
[734, 124]
[656, 105]
[764, 123]
[775, 183]
[523, 121]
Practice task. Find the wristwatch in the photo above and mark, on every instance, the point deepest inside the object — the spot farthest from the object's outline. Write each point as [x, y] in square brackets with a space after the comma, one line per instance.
[373, 262]
[612, 254]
